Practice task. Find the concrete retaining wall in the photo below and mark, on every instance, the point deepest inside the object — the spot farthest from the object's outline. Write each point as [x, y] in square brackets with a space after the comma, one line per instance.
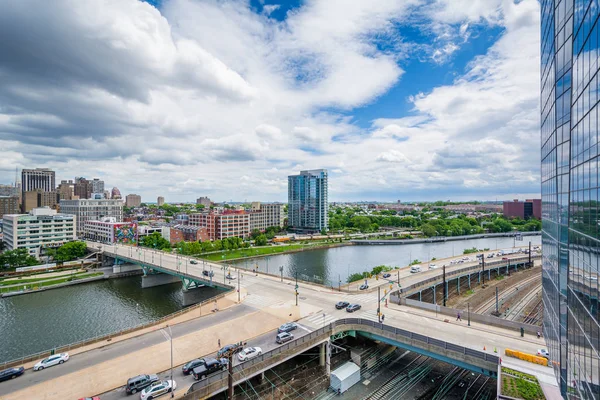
[158, 280]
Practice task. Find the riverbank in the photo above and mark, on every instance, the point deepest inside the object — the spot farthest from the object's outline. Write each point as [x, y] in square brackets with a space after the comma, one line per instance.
[43, 285]
[238, 255]
[438, 239]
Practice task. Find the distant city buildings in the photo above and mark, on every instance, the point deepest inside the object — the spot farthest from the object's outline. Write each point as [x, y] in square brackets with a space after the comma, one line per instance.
[188, 233]
[205, 201]
[523, 209]
[308, 205]
[41, 228]
[66, 190]
[92, 210]
[39, 178]
[109, 230]
[160, 201]
[83, 188]
[265, 215]
[9, 205]
[115, 194]
[39, 198]
[9, 190]
[97, 186]
[133, 200]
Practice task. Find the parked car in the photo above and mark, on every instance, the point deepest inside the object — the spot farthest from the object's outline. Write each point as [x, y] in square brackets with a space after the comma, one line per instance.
[208, 273]
[287, 327]
[249, 352]
[51, 361]
[353, 307]
[193, 262]
[90, 398]
[387, 275]
[11, 373]
[284, 337]
[137, 383]
[504, 258]
[543, 353]
[225, 349]
[211, 366]
[189, 366]
[364, 286]
[158, 389]
[415, 268]
[341, 304]
[432, 266]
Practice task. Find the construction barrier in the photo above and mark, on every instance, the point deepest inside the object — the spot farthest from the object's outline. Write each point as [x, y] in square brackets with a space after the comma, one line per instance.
[527, 357]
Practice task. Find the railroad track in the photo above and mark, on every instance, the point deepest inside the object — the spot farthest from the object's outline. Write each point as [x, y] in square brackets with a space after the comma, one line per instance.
[534, 316]
[489, 305]
[516, 310]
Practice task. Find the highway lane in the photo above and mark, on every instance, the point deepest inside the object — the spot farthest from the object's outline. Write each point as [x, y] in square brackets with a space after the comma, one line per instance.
[118, 349]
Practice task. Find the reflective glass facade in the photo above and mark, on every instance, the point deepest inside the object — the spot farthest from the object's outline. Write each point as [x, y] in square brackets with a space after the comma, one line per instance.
[308, 206]
[570, 192]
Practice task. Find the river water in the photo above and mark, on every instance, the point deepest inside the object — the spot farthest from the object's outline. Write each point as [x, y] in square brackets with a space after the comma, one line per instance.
[40, 321]
[329, 266]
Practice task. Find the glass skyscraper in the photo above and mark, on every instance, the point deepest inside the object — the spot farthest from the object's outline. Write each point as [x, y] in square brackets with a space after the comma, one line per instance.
[307, 201]
[570, 192]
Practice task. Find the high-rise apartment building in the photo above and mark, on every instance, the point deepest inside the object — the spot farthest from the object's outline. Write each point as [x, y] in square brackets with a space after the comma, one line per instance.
[66, 190]
[40, 229]
[83, 188]
[39, 178]
[92, 210]
[160, 201]
[307, 201]
[205, 201]
[570, 193]
[97, 186]
[133, 200]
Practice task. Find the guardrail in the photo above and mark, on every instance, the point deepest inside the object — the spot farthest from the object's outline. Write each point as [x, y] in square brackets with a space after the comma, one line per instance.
[110, 336]
[242, 372]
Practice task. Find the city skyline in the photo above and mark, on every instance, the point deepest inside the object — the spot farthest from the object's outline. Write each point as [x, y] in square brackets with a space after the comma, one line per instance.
[419, 100]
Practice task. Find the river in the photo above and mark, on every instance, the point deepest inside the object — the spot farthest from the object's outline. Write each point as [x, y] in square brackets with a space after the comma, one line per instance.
[39, 321]
[328, 266]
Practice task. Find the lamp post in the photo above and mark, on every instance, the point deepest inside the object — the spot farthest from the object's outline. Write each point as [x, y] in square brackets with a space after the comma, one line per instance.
[469, 314]
[296, 288]
[281, 271]
[171, 338]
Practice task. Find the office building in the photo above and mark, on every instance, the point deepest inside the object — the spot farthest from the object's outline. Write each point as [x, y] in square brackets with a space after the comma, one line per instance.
[39, 198]
[115, 194]
[570, 193]
[522, 209]
[40, 229]
[219, 225]
[188, 233]
[160, 201]
[92, 210]
[66, 190]
[83, 188]
[133, 200]
[108, 230]
[97, 186]
[39, 178]
[307, 201]
[9, 205]
[145, 230]
[9, 190]
[205, 201]
[265, 215]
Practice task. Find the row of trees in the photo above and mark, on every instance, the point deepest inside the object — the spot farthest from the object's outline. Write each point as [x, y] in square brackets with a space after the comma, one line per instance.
[68, 251]
[16, 258]
[194, 248]
[364, 275]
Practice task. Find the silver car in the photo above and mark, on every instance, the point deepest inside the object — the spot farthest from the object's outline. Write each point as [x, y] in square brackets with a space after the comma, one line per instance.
[51, 361]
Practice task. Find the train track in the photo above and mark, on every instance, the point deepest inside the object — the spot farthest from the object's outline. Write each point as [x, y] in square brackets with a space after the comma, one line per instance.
[489, 305]
[535, 315]
[516, 311]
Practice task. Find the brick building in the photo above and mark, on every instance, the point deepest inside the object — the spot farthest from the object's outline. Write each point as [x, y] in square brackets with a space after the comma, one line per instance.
[523, 209]
[188, 233]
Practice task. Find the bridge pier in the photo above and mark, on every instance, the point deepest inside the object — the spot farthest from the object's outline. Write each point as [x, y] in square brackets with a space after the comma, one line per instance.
[120, 268]
[433, 288]
[152, 280]
[192, 296]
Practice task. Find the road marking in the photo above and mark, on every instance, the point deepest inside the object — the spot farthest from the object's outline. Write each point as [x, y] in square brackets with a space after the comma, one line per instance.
[305, 328]
[166, 335]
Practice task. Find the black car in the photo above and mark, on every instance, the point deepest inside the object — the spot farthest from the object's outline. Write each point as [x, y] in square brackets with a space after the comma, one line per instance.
[235, 347]
[387, 275]
[188, 367]
[353, 307]
[208, 273]
[341, 304]
[210, 367]
[11, 373]
[288, 327]
[137, 383]
[364, 286]
[193, 262]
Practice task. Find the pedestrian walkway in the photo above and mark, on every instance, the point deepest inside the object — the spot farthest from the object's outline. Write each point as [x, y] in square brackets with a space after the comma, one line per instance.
[362, 299]
[259, 301]
[371, 315]
[320, 319]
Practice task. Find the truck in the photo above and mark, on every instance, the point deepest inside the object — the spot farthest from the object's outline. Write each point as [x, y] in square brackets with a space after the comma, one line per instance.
[211, 366]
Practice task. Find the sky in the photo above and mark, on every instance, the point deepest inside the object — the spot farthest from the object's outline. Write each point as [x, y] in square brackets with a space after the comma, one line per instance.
[398, 100]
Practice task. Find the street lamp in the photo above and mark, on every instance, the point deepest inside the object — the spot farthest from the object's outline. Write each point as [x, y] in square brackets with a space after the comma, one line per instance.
[171, 337]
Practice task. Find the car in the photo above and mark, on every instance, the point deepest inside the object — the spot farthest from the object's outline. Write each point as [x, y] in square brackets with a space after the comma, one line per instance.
[387, 275]
[157, 389]
[11, 373]
[364, 286]
[591, 277]
[211, 366]
[287, 327]
[90, 398]
[51, 361]
[432, 266]
[490, 255]
[189, 366]
[415, 268]
[249, 352]
[504, 258]
[193, 262]
[341, 304]
[284, 337]
[353, 307]
[543, 353]
[208, 273]
[225, 349]
[137, 383]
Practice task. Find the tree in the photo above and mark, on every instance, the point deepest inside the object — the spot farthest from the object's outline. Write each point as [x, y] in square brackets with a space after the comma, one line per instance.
[68, 251]
[362, 223]
[428, 230]
[16, 258]
[199, 207]
[260, 240]
[155, 241]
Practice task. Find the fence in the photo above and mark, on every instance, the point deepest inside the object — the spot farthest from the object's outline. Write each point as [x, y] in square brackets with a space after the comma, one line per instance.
[242, 372]
[110, 336]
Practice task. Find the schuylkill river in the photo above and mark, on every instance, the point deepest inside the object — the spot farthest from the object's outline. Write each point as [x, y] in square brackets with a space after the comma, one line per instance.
[41, 321]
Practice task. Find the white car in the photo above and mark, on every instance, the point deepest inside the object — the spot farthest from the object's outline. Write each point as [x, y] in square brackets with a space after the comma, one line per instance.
[249, 352]
[158, 389]
[51, 361]
[543, 353]
[432, 266]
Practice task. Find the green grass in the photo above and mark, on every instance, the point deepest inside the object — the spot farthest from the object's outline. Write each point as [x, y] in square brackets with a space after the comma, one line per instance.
[519, 385]
[469, 292]
[256, 251]
[51, 282]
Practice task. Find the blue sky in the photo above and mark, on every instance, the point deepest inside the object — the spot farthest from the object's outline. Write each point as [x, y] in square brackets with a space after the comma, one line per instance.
[412, 100]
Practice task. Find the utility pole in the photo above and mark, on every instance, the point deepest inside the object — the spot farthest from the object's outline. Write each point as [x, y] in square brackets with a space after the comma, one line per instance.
[398, 277]
[296, 288]
[281, 270]
[530, 264]
[483, 270]
[171, 337]
[238, 278]
[230, 375]
[379, 303]
[497, 313]
[469, 313]
[444, 283]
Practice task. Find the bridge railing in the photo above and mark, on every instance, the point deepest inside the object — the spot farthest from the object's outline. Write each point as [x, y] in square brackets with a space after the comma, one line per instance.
[106, 337]
[241, 372]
